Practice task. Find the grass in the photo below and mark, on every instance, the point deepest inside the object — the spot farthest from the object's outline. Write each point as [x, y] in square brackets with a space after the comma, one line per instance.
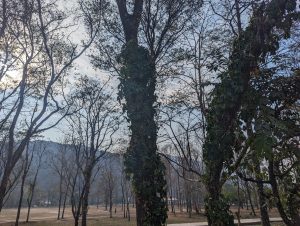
[101, 221]
[97, 217]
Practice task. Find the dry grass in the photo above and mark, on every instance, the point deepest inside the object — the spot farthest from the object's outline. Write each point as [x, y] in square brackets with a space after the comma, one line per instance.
[47, 216]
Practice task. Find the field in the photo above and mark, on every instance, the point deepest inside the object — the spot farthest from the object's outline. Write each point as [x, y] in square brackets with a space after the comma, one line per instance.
[39, 217]
[99, 216]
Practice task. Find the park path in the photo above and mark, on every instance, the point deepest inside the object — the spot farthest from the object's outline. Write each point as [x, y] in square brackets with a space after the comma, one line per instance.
[243, 222]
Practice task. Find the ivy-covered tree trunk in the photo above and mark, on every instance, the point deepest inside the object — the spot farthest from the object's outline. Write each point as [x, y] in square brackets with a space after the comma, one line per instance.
[249, 50]
[137, 87]
[138, 82]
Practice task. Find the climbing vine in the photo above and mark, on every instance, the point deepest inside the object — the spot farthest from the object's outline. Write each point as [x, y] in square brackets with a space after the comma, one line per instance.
[143, 164]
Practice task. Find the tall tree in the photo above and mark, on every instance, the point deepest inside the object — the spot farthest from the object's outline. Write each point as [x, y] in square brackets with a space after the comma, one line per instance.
[148, 33]
[138, 82]
[249, 50]
[92, 127]
[37, 51]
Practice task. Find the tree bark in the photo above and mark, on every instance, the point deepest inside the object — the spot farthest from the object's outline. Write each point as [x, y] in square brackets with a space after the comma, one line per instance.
[85, 203]
[249, 50]
[64, 203]
[21, 197]
[275, 191]
[263, 206]
[30, 198]
[138, 83]
[249, 197]
[110, 203]
[60, 195]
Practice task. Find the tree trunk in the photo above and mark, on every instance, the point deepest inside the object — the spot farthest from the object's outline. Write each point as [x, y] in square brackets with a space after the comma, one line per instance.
[276, 195]
[110, 204]
[3, 186]
[64, 204]
[137, 86]
[263, 205]
[249, 50]
[140, 215]
[106, 199]
[85, 203]
[21, 197]
[239, 201]
[217, 209]
[60, 197]
[30, 198]
[249, 197]
[76, 221]
[142, 160]
[128, 211]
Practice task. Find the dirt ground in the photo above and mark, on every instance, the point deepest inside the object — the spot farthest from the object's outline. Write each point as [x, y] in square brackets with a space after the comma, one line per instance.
[49, 215]
[99, 216]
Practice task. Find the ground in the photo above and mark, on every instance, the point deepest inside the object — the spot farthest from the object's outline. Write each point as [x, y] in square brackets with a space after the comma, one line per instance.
[99, 216]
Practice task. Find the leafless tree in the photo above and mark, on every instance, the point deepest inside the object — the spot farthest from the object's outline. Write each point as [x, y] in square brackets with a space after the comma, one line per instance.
[92, 127]
[36, 54]
[58, 164]
[26, 167]
[108, 177]
[39, 152]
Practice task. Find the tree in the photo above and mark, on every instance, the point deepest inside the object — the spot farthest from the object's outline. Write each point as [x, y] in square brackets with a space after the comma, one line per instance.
[58, 163]
[109, 179]
[26, 167]
[156, 25]
[249, 50]
[36, 50]
[92, 127]
[274, 123]
[40, 151]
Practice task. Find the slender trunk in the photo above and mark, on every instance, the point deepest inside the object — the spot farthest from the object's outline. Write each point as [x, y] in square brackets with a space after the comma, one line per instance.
[28, 211]
[30, 198]
[65, 200]
[275, 191]
[106, 199]
[249, 197]
[76, 221]
[85, 203]
[110, 204]
[172, 203]
[256, 199]
[239, 201]
[60, 197]
[3, 186]
[128, 210]
[261, 196]
[29, 201]
[263, 205]
[21, 197]
[123, 199]
[64, 204]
